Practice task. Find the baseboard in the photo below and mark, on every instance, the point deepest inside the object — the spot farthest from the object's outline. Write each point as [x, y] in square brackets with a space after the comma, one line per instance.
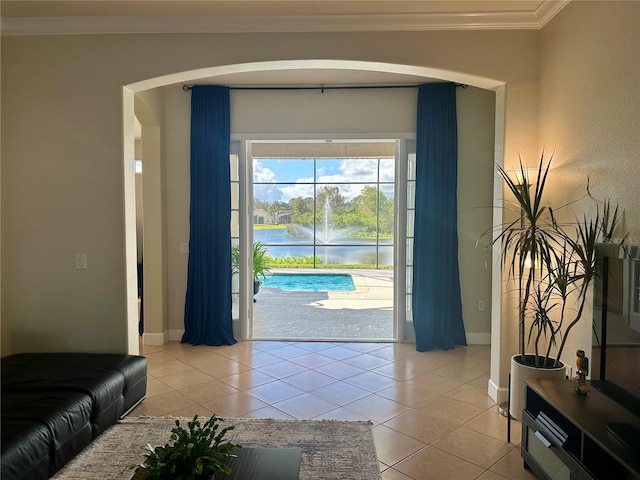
[498, 395]
[478, 338]
[155, 338]
[175, 335]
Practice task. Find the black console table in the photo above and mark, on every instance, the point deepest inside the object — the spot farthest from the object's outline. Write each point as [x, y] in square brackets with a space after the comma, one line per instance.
[574, 437]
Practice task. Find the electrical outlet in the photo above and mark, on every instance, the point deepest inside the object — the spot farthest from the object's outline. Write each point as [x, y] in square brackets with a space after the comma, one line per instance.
[184, 247]
[481, 305]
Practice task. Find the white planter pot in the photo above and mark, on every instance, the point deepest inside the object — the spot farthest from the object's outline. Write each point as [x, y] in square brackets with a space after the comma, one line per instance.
[520, 373]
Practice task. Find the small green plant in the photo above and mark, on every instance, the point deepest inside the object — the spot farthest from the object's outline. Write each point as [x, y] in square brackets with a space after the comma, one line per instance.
[261, 261]
[261, 266]
[193, 453]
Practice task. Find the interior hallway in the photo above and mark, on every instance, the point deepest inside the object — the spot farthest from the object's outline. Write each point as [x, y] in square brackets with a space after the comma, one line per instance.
[431, 414]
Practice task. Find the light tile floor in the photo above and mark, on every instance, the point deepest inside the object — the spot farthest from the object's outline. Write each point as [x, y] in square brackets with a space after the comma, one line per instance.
[431, 413]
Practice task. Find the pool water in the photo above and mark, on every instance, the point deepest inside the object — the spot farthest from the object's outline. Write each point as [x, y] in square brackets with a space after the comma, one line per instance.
[310, 282]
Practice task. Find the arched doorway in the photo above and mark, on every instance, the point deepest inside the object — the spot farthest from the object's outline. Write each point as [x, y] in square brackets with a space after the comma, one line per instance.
[230, 73]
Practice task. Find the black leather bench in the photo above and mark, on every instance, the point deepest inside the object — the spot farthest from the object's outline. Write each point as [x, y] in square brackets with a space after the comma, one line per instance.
[55, 404]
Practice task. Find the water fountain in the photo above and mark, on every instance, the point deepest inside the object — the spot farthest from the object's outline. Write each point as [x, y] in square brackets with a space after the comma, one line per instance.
[329, 232]
[326, 233]
[332, 244]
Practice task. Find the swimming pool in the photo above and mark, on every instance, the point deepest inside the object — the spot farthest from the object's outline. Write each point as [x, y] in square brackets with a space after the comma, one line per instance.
[311, 282]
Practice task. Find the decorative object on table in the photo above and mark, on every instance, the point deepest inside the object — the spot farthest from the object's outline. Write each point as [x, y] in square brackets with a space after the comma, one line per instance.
[198, 452]
[330, 449]
[582, 362]
[552, 265]
[261, 266]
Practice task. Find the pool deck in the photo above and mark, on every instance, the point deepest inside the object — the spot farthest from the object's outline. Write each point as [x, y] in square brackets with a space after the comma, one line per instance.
[363, 314]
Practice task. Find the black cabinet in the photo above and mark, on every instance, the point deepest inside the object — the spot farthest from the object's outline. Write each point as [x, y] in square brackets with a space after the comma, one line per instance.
[567, 436]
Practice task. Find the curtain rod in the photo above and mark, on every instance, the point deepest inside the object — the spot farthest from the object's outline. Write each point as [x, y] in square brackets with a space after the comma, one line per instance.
[186, 88]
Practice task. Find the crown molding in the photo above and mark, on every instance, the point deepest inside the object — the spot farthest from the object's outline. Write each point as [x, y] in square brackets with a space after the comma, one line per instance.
[548, 10]
[282, 23]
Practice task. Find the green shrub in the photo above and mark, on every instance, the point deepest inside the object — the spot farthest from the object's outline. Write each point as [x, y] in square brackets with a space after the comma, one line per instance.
[294, 262]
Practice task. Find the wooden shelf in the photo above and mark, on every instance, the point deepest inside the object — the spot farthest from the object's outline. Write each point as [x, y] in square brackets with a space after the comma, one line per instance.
[585, 446]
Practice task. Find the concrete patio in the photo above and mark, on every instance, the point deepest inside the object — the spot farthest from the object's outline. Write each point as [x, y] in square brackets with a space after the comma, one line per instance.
[363, 314]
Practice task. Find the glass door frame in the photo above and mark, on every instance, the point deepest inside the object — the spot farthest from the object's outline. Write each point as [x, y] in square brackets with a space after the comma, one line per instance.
[400, 294]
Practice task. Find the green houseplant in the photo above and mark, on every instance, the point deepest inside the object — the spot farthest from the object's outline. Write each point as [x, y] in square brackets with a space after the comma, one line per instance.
[553, 266]
[261, 263]
[197, 452]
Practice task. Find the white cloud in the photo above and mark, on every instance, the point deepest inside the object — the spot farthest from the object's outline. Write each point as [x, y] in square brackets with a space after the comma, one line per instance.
[350, 170]
[265, 176]
[297, 190]
[359, 170]
[268, 192]
[262, 174]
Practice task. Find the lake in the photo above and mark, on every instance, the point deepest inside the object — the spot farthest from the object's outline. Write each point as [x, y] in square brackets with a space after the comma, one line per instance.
[341, 251]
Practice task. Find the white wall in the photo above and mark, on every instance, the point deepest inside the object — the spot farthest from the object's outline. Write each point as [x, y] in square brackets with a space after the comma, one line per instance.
[476, 142]
[149, 107]
[590, 103]
[590, 115]
[342, 113]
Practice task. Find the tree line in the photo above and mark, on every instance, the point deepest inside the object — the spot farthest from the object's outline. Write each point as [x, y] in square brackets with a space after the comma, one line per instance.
[365, 216]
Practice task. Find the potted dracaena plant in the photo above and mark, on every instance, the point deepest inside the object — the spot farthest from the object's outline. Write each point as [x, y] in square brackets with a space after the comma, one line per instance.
[198, 452]
[553, 266]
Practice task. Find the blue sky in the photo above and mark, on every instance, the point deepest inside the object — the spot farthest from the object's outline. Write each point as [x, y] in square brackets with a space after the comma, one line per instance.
[289, 170]
[301, 173]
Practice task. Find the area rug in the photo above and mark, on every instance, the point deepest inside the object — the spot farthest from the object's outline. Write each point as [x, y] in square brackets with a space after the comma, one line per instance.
[331, 450]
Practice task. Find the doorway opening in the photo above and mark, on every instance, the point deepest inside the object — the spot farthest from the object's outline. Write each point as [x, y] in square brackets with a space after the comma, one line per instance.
[323, 213]
[166, 92]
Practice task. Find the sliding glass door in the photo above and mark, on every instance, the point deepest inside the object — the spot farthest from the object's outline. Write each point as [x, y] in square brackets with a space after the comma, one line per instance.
[336, 208]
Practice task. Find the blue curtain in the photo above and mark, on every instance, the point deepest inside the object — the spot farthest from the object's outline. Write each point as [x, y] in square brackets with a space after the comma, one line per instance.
[207, 310]
[436, 302]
